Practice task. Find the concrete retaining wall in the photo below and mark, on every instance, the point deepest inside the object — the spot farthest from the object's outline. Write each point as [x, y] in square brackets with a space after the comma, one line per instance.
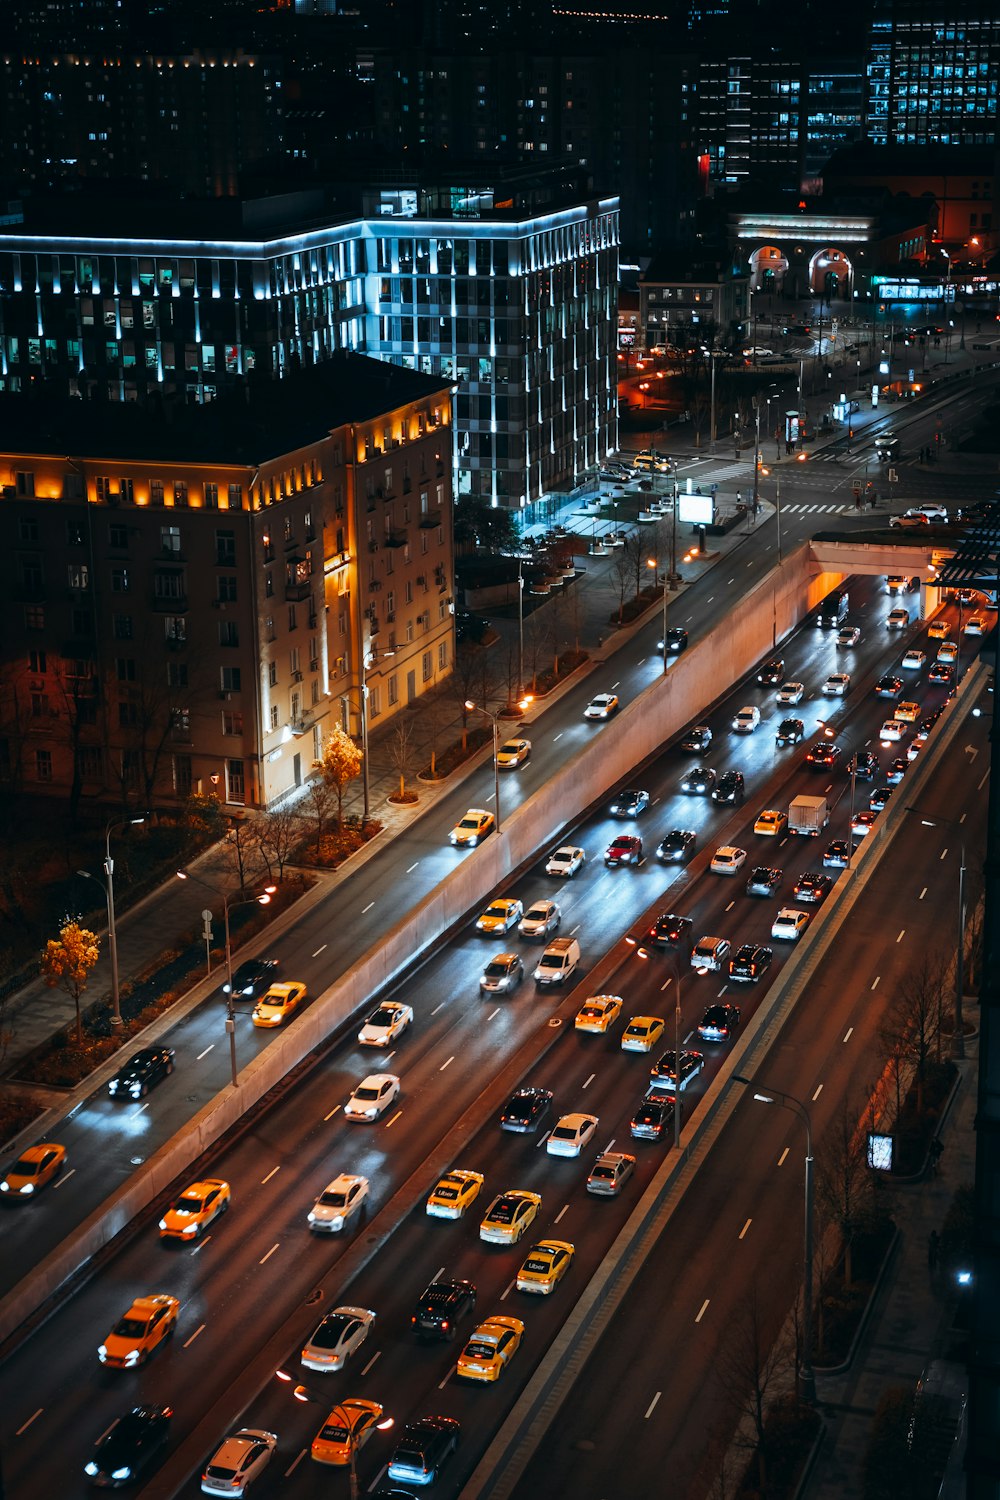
[702, 675]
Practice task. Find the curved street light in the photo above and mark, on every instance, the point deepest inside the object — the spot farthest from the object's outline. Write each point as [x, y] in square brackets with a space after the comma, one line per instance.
[109, 894]
[302, 1392]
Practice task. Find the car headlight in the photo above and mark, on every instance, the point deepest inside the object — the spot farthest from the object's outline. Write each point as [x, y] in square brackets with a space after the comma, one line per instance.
[136, 1090]
[190, 1229]
[113, 1086]
[4, 1187]
[132, 1357]
[102, 1353]
[29, 1187]
[163, 1223]
[90, 1468]
[122, 1473]
[337, 1221]
[370, 1113]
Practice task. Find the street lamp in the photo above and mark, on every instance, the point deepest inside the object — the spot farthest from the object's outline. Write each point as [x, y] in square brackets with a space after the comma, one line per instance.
[651, 563]
[958, 1035]
[109, 892]
[303, 1393]
[495, 721]
[807, 1377]
[262, 900]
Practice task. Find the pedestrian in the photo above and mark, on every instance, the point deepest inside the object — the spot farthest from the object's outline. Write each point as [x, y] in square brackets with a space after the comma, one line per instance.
[874, 498]
[933, 1250]
[739, 497]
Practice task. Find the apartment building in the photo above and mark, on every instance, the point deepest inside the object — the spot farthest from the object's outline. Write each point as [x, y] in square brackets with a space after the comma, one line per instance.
[190, 598]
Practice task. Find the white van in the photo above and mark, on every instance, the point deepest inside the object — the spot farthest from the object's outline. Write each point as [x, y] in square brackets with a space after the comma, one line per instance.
[558, 961]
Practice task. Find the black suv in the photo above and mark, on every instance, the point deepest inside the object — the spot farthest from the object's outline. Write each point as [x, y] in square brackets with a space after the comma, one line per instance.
[131, 1445]
[790, 731]
[252, 978]
[864, 765]
[147, 1067]
[750, 962]
[441, 1307]
[525, 1108]
[729, 788]
[671, 931]
[423, 1448]
[654, 1115]
[772, 673]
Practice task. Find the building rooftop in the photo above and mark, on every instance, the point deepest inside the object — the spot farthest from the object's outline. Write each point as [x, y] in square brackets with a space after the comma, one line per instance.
[249, 428]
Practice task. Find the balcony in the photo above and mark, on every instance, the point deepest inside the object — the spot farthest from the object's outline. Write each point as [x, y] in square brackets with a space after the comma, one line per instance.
[176, 604]
[298, 590]
[430, 520]
[395, 537]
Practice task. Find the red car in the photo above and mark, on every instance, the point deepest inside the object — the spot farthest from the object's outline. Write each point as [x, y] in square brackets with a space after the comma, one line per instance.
[626, 849]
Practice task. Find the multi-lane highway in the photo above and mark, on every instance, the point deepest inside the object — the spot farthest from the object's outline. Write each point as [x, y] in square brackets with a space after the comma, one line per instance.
[255, 1274]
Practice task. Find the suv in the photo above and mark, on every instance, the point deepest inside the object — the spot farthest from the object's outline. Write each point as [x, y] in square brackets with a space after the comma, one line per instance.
[252, 978]
[746, 721]
[441, 1307]
[730, 787]
[129, 1446]
[558, 962]
[140, 1073]
[772, 673]
[423, 1448]
[790, 732]
[750, 962]
[698, 739]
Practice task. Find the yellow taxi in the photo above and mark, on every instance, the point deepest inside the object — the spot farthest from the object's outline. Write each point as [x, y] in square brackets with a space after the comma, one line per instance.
[146, 1325]
[508, 1216]
[599, 1013]
[35, 1168]
[545, 1266]
[770, 822]
[278, 1003]
[491, 1348]
[937, 630]
[500, 916]
[348, 1427]
[642, 1033]
[907, 712]
[453, 1194]
[197, 1207]
[513, 753]
[476, 824]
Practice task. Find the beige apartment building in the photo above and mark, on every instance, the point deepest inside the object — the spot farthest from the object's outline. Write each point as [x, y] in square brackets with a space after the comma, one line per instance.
[191, 597]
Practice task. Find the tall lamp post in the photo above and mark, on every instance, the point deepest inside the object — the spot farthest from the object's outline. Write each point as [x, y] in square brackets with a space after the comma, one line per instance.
[958, 1035]
[763, 1095]
[303, 1393]
[262, 900]
[109, 893]
[495, 721]
[651, 562]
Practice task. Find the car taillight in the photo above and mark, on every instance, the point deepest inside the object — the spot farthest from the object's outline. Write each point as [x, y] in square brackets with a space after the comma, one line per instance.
[445, 1325]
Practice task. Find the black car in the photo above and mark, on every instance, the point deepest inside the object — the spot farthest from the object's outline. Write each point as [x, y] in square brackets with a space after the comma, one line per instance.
[141, 1072]
[764, 880]
[719, 1022]
[441, 1307]
[790, 731]
[823, 756]
[750, 962]
[889, 686]
[772, 673]
[664, 1073]
[252, 978]
[697, 739]
[629, 804]
[130, 1446]
[677, 847]
[864, 765]
[674, 641]
[654, 1116]
[423, 1448]
[698, 781]
[730, 788]
[812, 887]
[525, 1108]
[926, 725]
[671, 931]
[879, 797]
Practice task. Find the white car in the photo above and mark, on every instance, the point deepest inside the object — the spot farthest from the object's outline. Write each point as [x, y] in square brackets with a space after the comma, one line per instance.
[512, 754]
[728, 860]
[789, 923]
[975, 625]
[241, 1459]
[601, 707]
[540, 920]
[892, 729]
[344, 1196]
[385, 1024]
[747, 719]
[913, 660]
[372, 1097]
[849, 636]
[898, 619]
[790, 692]
[837, 685]
[566, 860]
[570, 1134]
[341, 1332]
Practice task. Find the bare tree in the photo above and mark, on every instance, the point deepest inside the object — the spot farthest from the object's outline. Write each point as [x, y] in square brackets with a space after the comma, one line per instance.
[753, 1360]
[916, 1015]
[401, 747]
[620, 574]
[321, 797]
[844, 1182]
[243, 847]
[278, 832]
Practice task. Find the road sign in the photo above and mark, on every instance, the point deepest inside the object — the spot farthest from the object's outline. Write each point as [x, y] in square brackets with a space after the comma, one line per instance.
[893, 476]
[856, 486]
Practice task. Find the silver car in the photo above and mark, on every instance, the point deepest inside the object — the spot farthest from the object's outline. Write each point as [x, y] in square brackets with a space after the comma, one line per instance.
[241, 1459]
[502, 974]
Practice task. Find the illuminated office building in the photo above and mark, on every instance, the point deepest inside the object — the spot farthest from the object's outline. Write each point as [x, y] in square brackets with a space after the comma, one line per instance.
[932, 74]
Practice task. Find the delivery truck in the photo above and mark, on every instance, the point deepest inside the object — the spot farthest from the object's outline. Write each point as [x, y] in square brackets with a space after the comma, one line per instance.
[808, 815]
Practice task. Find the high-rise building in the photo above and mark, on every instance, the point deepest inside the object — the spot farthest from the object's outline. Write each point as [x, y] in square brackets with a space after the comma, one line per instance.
[933, 74]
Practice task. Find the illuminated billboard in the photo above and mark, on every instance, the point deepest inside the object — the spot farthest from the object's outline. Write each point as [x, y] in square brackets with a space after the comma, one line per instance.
[697, 510]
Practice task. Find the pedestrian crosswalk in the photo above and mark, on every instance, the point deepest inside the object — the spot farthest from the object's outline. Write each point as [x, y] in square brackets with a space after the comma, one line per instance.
[798, 508]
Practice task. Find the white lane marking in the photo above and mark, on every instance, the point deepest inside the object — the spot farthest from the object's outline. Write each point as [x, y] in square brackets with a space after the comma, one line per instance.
[375, 1356]
[652, 1406]
[902, 931]
[394, 1119]
[745, 1228]
[367, 908]
[983, 782]
[874, 983]
[447, 1063]
[205, 1053]
[848, 1033]
[688, 1037]
[574, 930]
[413, 867]
[269, 1254]
[702, 1310]
[817, 1093]
[610, 1144]
[331, 1114]
[295, 1463]
[944, 851]
[543, 1139]
[31, 1419]
[557, 736]
[730, 906]
[710, 601]
[444, 1382]
[378, 1478]
[723, 990]
[923, 893]
[963, 817]
[614, 685]
[437, 1275]
[559, 1215]
[729, 581]
[750, 564]
[664, 985]
[493, 1013]
[781, 1158]
[199, 1329]
[438, 1007]
[108, 1432]
[590, 1080]
[65, 1177]
[270, 1174]
[201, 1244]
[139, 1109]
[320, 950]
[507, 1290]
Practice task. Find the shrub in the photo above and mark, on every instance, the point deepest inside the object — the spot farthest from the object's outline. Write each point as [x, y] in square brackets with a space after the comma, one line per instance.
[888, 1461]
